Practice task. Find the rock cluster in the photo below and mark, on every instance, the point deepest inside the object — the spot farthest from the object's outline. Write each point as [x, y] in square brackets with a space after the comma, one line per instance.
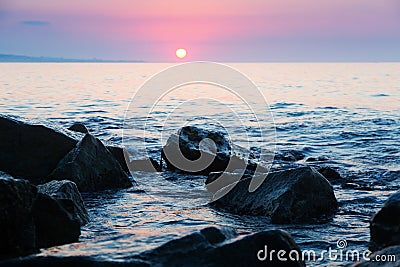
[31, 219]
[44, 207]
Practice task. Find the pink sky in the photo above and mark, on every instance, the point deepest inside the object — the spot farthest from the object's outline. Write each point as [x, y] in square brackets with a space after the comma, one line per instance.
[225, 30]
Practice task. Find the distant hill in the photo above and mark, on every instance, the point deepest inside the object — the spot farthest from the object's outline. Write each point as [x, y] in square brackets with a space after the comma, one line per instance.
[21, 58]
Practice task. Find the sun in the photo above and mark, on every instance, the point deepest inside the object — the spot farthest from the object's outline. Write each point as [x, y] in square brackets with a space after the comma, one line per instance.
[181, 53]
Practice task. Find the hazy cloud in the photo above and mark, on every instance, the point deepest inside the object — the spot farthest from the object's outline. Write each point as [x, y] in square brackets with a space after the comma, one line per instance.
[35, 22]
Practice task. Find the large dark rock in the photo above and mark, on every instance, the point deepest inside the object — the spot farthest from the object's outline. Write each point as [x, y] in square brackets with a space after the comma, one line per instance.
[291, 196]
[92, 167]
[55, 222]
[65, 192]
[388, 257]
[17, 229]
[30, 220]
[385, 224]
[201, 151]
[31, 150]
[222, 247]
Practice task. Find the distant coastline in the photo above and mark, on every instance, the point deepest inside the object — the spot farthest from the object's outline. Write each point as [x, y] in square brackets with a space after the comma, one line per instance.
[23, 58]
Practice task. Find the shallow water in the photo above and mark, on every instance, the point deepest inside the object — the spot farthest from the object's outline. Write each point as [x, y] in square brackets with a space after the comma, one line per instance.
[346, 112]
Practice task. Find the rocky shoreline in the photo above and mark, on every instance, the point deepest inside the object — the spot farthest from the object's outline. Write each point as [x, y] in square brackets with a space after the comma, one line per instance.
[44, 169]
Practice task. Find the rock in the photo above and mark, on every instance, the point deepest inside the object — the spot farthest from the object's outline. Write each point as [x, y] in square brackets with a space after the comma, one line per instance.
[55, 225]
[222, 247]
[256, 250]
[30, 150]
[78, 127]
[385, 224]
[289, 155]
[70, 261]
[92, 167]
[298, 195]
[120, 154]
[17, 230]
[216, 235]
[320, 158]
[144, 165]
[202, 151]
[212, 247]
[67, 190]
[331, 174]
[30, 220]
[387, 257]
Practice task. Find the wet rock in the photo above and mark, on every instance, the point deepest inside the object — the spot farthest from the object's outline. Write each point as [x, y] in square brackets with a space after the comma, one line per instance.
[78, 127]
[289, 155]
[65, 191]
[255, 250]
[30, 220]
[212, 247]
[387, 257]
[55, 224]
[222, 247]
[298, 195]
[31, 150]
[331, 174]
[120, 154]
[17, 230]
[320, 158]
[145, 165]
[92, 167]
[385, 224]
[201, 151]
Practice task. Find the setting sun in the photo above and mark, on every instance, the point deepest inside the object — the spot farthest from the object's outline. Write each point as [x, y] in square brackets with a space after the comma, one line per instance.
[181, 53]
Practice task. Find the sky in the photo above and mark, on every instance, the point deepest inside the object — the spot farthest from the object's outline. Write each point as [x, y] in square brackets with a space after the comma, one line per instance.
[217, 30]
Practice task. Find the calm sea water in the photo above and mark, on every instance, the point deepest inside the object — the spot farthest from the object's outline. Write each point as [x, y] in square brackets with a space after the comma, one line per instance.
[346, 112]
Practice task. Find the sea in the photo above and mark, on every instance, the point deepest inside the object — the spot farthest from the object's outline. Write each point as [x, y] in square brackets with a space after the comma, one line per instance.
[347, 115]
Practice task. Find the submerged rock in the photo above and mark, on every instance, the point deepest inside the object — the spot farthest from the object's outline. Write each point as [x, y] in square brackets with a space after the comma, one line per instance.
[385, 224]
[331, 175]
[78, 127]
[66, 192]
[17, 229]
[289, 155]
[31, 150]
[320, 158]
[201, 151]
[223, 247]
[298, 195]
[92, 167]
